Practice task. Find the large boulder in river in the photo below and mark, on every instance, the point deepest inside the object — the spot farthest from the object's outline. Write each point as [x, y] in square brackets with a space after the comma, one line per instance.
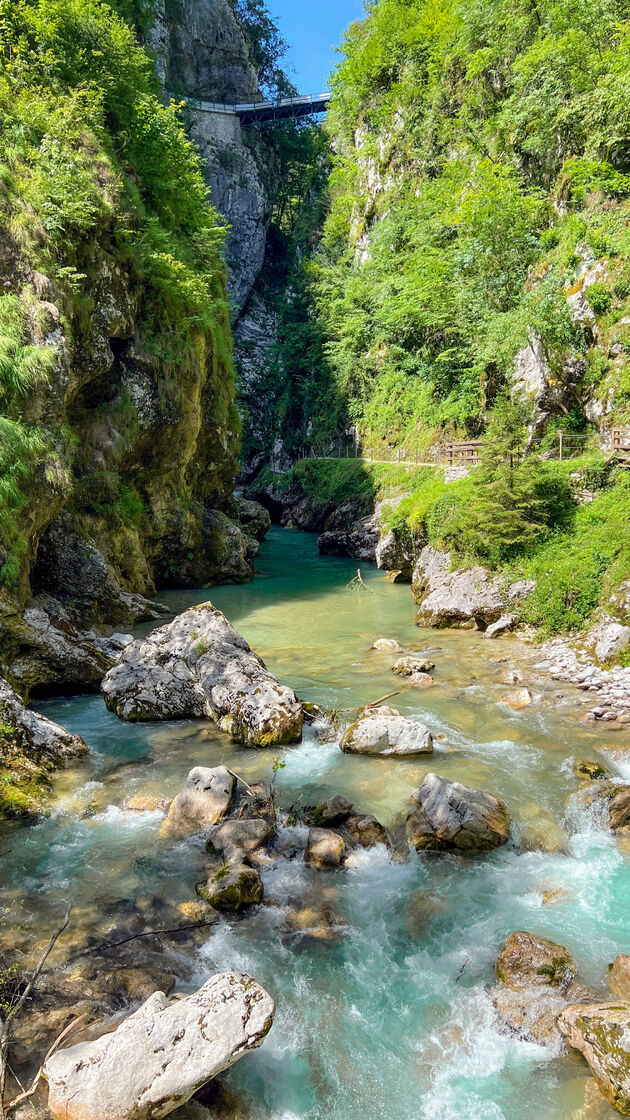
[537, 979]
[447, 816]
[204, 800]
[384, 732]
[527, 960]
[601, 1032]
[199, 665]
[162, 1054]
[461, 598]
[324, 849]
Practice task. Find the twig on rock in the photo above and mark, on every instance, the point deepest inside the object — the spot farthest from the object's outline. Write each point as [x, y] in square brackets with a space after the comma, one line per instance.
[26, 1093]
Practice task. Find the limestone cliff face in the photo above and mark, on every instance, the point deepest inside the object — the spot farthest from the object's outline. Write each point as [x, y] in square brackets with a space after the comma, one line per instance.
[204, 54]
[134, 491]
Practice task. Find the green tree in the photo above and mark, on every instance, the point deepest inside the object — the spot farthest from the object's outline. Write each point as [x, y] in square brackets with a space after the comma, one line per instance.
[505, 510]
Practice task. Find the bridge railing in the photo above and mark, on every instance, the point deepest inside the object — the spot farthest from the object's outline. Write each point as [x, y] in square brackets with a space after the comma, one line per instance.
[237, 108]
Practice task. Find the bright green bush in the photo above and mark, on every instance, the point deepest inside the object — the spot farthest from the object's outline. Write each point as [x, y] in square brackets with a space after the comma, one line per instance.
[599, 296]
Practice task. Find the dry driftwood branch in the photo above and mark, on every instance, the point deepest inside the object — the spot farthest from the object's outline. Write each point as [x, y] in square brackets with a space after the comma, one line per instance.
[7, 1019]
[26, 1093]
[359, 584]
[382, 699]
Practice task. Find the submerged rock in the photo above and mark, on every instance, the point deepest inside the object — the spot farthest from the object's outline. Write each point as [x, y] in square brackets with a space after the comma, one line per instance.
[601, 1032]
[204, 800]
[389, 645]
[447, 816]
[199, 665]
[383, 731]
[517, 699]
[589, 770]
[162, 1054]
[540, 832]
[31, 747]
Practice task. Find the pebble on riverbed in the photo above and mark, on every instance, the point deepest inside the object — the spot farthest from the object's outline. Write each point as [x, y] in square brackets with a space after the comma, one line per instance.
[609, 687]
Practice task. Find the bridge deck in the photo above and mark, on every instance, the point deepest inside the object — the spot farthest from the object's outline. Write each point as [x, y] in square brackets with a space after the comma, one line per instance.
[289, 108]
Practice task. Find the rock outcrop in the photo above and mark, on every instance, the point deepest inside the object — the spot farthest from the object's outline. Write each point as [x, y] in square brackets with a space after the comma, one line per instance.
[42, 652]
[449, 817]
[601, 1032]
[468, 597]
[204, 52]
[383, 731]
[199, 666]
[31, 748]
[159, 1056]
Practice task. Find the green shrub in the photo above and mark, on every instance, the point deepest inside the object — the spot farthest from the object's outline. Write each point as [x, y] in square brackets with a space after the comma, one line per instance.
[599, 296]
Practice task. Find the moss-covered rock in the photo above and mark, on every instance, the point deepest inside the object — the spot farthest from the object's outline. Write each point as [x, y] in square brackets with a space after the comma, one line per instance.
[31, 748]
[601, 1032]
[232, 888]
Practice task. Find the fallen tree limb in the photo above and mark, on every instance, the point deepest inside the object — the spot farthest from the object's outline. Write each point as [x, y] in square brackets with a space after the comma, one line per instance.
[26, 1093]
[106, 946]
[359, 584]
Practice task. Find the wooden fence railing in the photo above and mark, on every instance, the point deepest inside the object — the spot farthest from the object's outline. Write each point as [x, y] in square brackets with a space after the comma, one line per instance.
[621, 442]
[466, 453]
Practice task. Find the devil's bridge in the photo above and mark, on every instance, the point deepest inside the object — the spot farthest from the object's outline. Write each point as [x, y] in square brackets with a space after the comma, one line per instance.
[255, 112]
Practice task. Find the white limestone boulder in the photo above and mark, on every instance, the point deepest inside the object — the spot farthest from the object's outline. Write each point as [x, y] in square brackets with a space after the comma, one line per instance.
[385, 732]
[199, 666]
[162, 1054]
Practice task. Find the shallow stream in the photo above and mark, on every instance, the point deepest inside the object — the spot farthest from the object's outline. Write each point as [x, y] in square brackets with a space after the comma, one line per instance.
[394, 1021]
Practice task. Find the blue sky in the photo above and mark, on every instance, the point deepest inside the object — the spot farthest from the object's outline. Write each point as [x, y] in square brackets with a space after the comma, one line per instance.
[312, 30]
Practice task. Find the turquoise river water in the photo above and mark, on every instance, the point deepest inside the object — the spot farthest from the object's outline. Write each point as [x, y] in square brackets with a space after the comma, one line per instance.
[394, 1021]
